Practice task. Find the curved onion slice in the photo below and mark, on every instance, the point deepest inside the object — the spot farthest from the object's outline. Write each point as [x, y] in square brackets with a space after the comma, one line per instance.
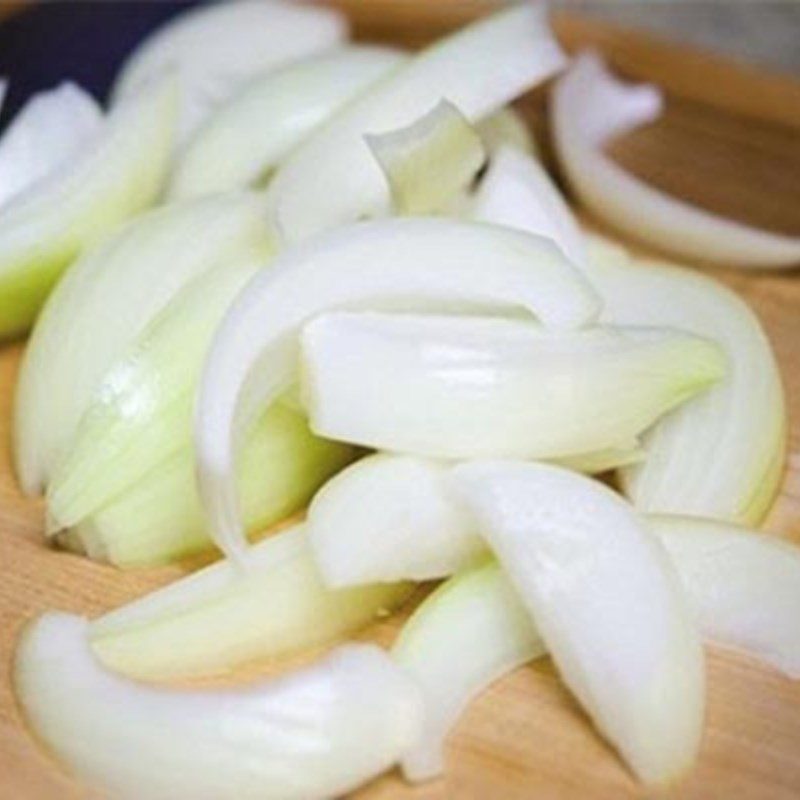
[216, 48]
[104, 302]
[51, 127]
[721, 455]
[607, 604]
[590, 107]
[477, 387]
[219, 618]
[332, 178]
[246, 137]
[315, 733]
[400, 262]
[116, 175]
[430, 161]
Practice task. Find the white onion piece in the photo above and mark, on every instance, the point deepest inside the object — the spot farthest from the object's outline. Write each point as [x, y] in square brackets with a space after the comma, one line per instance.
[104, 302]
[390, 514]
[316, 733]
[333, 179]
[246, 137]
[517, 192]
[401, 262]
[607, 603]
[507, 128]
[50, 128]
[721, 455]
[470, 632]
[217, 47]
[430, 161]
[477, 387]
[589, 108]
[113, 177]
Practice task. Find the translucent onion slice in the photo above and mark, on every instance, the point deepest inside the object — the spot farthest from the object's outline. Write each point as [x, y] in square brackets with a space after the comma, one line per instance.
[607, 603]
[402, 262]
[159, 518]
[116, 175]
[140, 413]
[473, 387]
[430, 161]
[315, 733]
[722, 454]
[742, 584]
[333, 179]
[217, 48]
[220, 617]
[507, 128]
[243, 141]
[590, 107]
[104, 302]
[50, 128]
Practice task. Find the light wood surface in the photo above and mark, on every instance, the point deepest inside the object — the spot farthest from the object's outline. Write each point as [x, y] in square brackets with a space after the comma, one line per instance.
[730, 139]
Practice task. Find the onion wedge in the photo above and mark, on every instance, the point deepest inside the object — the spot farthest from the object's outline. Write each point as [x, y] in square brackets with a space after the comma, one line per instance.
[477, 387]
[431, 161]
[218, 47]
[104, 302]
[607, 604]
[590, 107]
[243, 141]
[220, 618]
[332, 178]
[315, 733]
[401, 262]
[115, 176]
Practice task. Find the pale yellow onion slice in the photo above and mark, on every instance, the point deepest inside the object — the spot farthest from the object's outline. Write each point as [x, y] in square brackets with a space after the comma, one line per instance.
[50, 128]
[607, 603]
[104, 302]
[333, 179]
[244, 139]
[411, 263]
[315, 733]
[217, 47]
[429, 162]
[590, 107]
[482, 387]
[115, 176]
[220, 617]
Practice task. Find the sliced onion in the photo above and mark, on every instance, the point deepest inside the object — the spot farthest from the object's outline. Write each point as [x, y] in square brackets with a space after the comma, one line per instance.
[51, 127]
[590, 107]
[607, 604]
[217, 47]
[243, 141]
[472, 387]
[220, 618]
[400, 262]
[316, 733]
[507, 128]
[104, 302]
[333, 179]
[430, 161]
[115, 176]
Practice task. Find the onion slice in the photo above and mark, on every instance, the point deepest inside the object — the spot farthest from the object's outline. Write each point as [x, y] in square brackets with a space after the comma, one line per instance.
[606, 601]
[507, 128]
[104, 302]
[590, 107]
[332, 178]
[430, 161]
[243, 141]
[316, 733]
[216, 48]
[405, 262]
[220, 618]
[477, 387]
[113, 177]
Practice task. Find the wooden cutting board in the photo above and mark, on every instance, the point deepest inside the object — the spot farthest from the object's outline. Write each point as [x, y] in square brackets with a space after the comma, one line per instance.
[730, 139]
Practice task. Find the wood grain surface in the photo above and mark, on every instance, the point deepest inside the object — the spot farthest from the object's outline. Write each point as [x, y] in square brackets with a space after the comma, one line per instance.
[730, 139]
